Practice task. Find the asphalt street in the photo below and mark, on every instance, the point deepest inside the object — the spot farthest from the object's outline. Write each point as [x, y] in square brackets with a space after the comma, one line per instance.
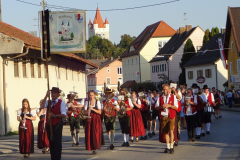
[222, 143]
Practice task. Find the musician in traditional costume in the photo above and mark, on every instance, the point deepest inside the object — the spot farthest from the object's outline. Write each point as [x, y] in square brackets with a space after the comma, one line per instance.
[137, 127]
[57, 113]
[155, 113]
[217, 103]
[83, 102]
[43, 142]
[93, 124]
[209, 99]
[125, 120]
[190, 111]
[200, 110]
[167, 106]
[144, 111]
[110, 115]
[25, 116]
[73, 112]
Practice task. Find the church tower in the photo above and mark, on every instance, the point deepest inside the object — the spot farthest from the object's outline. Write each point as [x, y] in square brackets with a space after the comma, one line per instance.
[98, 27]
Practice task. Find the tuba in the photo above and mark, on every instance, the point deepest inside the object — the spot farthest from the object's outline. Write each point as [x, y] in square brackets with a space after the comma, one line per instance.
[108, 104]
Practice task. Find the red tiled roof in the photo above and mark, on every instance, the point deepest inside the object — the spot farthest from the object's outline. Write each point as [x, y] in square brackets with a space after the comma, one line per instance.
[163, 29]
[99, 19]
[14, 32]
[106, 21]
[90, 23]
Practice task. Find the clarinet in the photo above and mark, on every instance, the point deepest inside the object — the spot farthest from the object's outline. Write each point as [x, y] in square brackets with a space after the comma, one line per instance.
[88, 117]
[166, 101]
[24, 123]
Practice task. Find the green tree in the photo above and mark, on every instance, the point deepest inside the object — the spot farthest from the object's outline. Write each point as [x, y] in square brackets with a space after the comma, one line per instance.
[216, 30]
[206, 36]
[212, 32]
[126, 40]
[72, 35]
[186, 57]
[148, 85]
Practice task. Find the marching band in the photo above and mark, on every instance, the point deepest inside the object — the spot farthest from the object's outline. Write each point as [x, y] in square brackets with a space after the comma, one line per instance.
[137, 112]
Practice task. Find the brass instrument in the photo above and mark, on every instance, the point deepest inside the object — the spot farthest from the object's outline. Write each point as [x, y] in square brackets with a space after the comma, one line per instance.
[187, 99]
[110, 109]
[122, 107]
[142, 96]
[81, 114]
[24, 123]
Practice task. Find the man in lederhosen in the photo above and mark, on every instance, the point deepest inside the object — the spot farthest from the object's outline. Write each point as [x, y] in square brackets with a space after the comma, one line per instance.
[58, 112]
[110, 116]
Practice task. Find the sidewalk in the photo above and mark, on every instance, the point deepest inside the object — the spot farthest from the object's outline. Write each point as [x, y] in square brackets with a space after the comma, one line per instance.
[9, 144]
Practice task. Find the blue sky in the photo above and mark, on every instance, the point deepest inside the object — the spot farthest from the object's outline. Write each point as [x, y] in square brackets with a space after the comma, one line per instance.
[203, 13]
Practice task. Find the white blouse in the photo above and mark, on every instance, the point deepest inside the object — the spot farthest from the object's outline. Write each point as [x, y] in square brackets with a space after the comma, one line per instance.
[98, 105]
[33, 113]
[38, 110]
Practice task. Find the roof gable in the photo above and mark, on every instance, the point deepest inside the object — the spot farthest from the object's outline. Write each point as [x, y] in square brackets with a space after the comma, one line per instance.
[27, 38]
[209, 53]
[153, 30]
[99, 19]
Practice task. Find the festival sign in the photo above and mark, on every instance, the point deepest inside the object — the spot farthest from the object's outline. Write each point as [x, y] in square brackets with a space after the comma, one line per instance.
[200, 79]
[67, 32]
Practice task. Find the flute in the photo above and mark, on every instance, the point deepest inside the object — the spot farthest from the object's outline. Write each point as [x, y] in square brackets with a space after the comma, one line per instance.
[88, 117]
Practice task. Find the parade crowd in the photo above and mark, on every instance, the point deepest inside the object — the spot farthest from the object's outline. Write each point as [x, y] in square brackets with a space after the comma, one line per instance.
[175, 107]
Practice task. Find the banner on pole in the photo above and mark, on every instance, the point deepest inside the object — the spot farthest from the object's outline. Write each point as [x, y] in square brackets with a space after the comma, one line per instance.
[67, 32]
[222, 53]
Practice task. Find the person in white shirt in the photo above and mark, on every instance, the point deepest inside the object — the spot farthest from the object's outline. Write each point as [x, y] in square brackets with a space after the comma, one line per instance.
[190, 111]
[209, 99]
[167, 106]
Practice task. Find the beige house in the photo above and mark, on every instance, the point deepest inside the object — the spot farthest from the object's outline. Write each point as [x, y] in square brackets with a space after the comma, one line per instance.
[136, 57]
[109, 72]
[25, 76]
[167, 60]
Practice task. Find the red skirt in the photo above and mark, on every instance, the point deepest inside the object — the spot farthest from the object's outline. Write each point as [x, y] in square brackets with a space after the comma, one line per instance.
[136, 124]
[26, 138]
[42, 136]
[93, 132]
[162, 138]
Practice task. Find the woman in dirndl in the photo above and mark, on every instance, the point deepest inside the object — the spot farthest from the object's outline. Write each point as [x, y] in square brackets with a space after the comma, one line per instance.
[25, 116]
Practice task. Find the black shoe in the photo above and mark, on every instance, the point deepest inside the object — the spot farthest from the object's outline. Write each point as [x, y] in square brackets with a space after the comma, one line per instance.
[208, 132]
[193, 140]
[137, 140]
[220, 116]
[171, 151]
[111, 146]
[176, 143]
[74, 145]
[149, 135]
[202, 134]
[77, 143]
[131, 140]
[198, 137]
[153, 133]
[26, 156]
[127, 144]
[43, 152]
[94, 152]
[124, 144]
[142, 138]
[166, 150]
[145, 137]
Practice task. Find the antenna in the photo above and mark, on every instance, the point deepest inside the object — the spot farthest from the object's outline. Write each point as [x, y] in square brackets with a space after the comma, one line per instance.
[184, 20]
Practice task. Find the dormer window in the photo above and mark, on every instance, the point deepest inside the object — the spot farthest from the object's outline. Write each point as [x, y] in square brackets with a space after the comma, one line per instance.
[132, 49]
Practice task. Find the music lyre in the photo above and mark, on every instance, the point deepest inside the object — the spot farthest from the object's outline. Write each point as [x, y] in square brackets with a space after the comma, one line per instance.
[24, 123]
[89, 112]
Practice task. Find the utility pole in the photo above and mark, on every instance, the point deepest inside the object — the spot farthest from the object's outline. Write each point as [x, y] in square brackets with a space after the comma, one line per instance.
[0, 11]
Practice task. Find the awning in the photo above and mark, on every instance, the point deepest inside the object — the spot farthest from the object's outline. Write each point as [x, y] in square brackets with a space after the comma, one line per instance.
[225, 84]
[128, 84]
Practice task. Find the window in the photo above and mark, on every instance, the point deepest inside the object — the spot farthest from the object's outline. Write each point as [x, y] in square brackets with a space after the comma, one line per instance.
[157, 68]
[133, 76]
[232, 45]
[93, 81]
[208, 73]
[199, 73]
[39, 68]
[136, 61]
[66, 73]
[24, 68]
[119, 70]
[90, 83]
[231, 71]
[132, 62]
[16, 70]
[108, 80]
[45, 70]
[32, 67]
[165, 67]
[190, 74]
[238, 66]
[153, 69]
[161, 44]
[160, 67]
[108, 70]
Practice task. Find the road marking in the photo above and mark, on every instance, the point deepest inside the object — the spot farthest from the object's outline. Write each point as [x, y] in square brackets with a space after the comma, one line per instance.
[92, 158]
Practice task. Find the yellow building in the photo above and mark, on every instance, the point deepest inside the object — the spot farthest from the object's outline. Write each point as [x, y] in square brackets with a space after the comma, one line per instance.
[232, 47]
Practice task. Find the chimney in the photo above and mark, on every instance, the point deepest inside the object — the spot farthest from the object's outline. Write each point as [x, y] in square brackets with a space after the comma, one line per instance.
[111, 58]
[188, 28]
[177, 31]
[181, 30]
[223, 30]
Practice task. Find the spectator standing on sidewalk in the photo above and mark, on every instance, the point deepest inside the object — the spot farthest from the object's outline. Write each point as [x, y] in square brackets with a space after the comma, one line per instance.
[229, 98]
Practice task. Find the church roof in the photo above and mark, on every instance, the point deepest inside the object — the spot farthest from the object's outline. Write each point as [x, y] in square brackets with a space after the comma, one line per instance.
[90, 22]
[98, 20]
[106, 21]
